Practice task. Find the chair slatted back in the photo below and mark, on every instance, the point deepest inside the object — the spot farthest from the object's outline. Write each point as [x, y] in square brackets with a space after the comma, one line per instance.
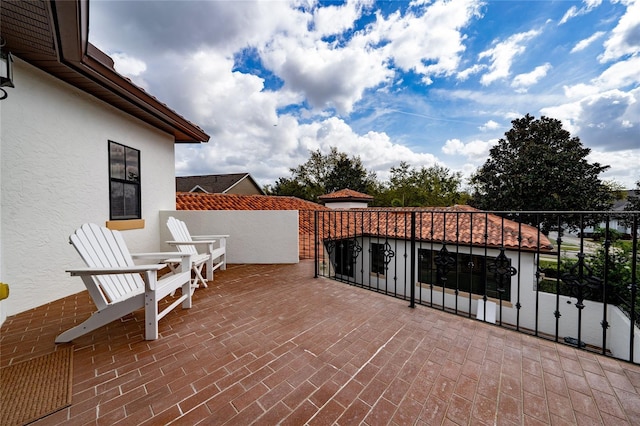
[103, 247]
[179, 232]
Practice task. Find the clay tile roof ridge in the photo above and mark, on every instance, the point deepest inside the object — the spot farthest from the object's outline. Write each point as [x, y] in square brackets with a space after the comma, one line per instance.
[345, 193]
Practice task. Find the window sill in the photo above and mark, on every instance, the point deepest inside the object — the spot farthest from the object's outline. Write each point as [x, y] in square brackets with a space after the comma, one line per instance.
[124, 225]
[464, 294]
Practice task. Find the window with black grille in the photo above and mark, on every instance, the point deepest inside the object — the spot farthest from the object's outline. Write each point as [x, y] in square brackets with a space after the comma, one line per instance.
[124, 182]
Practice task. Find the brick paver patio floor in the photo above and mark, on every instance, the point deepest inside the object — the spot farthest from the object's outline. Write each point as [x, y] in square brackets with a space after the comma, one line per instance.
[269, 344]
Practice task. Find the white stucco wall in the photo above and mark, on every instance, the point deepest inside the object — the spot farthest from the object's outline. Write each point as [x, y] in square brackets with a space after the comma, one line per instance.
[55, 177]
[337, 205]
[255, 236]
[619, 343]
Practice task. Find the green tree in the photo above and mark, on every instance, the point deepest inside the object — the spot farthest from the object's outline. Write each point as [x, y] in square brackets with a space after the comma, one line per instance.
[322, 174]
[633, 205]
[634, 200]
[428, 186]
[349, 173]
[539, 166]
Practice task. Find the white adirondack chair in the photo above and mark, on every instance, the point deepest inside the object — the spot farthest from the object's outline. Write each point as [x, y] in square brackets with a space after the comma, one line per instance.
[118, 286]
[214, 252]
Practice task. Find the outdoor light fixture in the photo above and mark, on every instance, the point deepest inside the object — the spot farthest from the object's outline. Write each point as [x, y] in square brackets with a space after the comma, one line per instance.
[6, 69]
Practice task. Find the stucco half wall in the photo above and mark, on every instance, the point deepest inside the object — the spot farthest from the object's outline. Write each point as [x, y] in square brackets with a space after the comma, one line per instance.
[255, 236]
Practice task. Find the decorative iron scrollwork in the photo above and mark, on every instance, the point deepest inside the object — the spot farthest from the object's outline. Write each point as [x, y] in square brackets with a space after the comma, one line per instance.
[581, 281]
[445, 262]
[388, 254]
[331, 246]
[356, 249]
[502, 271]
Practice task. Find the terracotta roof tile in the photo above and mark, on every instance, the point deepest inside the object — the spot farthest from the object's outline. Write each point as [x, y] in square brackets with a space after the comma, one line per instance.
[346, 194]
[200, 201]
[456, 224]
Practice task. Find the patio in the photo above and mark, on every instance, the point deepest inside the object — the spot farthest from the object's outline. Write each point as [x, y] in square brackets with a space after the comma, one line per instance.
[269, 344]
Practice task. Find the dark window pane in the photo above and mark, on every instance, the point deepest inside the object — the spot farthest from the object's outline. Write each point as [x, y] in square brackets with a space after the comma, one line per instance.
[343, 260]
[133, 163]
[377, 259]
[116, 158]
[131, 201]
[124, 173]
[424, 266]
[117, 200]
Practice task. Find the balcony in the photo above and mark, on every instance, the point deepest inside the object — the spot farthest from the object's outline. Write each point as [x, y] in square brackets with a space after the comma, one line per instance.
[271, 344]
[321, 341]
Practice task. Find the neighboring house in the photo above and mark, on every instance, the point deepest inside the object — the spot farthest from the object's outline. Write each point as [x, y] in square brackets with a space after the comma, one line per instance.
[615, 223]
[79, 143]
[371, 247]
[346, 199]
[235, 183]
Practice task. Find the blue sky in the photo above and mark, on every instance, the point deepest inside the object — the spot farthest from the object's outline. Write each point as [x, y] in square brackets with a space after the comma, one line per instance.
[426, 82]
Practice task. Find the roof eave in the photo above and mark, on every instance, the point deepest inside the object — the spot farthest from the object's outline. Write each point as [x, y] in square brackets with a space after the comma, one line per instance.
[71, 58]
[72, 19]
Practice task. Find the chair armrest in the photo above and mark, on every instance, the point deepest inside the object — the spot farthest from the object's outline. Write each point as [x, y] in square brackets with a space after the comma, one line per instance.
[115, 270]
[201, 237]
[190, 243]
[159, 255]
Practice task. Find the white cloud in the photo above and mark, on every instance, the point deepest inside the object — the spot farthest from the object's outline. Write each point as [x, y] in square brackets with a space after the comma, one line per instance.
[130, 67]
[625, 172]
[522, 81]
[625, 37]
[453, 147]
[246, 141]
[573, 11]
[512, 115]
[336, 19]
[489, 125]
[466, 73]
[304, 62]
[583, 44]
[429, 53]
[619, 75]
[609, 120]
[336, 74]
[477, 150]
[327, 77]
[502, 55]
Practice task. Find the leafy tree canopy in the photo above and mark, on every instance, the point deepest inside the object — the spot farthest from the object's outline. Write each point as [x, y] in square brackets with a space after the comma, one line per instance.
[539, 166]
[323, 174]
[428, 186]
[634, 200]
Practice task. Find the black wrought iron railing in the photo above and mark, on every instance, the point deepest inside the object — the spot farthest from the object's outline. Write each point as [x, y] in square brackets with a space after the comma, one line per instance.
[571, 277]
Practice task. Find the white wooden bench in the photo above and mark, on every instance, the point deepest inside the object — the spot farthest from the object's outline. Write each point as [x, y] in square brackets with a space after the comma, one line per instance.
[118, 286]
[213, 254]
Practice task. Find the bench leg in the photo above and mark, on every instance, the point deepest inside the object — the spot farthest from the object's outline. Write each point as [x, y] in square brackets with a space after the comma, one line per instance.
[150, 316]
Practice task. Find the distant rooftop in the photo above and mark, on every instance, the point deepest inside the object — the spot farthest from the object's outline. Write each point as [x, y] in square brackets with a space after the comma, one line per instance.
[200, 201]
[345, 195]
[235, 183]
